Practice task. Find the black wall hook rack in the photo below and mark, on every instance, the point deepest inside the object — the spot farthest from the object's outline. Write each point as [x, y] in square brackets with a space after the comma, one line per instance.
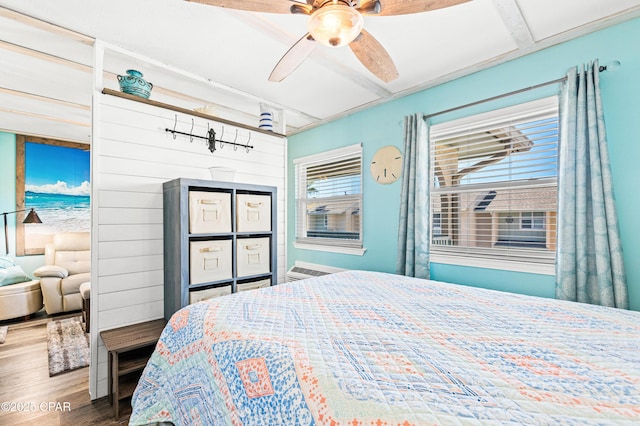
[211, 138]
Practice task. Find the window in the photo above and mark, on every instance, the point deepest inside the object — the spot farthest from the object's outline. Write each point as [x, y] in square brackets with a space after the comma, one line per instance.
[436, 227]
[532, 220]
[494, 188]
[329, 200]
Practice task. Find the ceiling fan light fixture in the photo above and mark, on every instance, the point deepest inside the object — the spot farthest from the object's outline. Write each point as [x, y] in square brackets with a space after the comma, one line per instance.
[335, 25]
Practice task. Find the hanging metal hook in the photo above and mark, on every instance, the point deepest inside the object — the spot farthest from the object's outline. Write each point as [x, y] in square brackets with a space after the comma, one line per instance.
[235, 145]
[221, 141]
[247, 147]
[191, 132]
[175, 123]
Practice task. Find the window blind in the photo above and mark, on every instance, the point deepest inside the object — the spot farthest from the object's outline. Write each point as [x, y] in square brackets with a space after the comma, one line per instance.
[329, 198]
[494, 184]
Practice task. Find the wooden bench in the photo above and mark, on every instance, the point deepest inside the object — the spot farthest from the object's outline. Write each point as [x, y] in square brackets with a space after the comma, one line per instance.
[129, 350]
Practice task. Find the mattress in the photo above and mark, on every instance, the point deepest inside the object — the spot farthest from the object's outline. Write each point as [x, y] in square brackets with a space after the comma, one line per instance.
[367, 348]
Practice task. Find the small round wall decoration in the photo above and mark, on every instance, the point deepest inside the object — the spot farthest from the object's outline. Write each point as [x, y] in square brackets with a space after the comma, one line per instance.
[386, 166]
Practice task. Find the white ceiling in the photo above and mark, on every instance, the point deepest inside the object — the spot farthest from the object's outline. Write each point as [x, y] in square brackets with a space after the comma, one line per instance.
[45, 83]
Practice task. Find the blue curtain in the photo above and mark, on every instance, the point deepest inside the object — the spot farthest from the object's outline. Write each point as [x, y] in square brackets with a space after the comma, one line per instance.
[413, 232]
[589, 265]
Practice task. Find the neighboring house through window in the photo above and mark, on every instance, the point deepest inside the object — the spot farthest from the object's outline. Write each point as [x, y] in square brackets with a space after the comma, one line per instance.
[494, 188]
[329, 200]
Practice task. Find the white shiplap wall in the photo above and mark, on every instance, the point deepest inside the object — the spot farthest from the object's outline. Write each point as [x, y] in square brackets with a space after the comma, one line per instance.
[132, 155]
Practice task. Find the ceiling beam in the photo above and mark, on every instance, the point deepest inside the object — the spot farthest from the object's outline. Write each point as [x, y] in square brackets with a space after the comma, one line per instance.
[45, 117]
[44, 56]
[513, 19]
[46, 26]
[40, 98]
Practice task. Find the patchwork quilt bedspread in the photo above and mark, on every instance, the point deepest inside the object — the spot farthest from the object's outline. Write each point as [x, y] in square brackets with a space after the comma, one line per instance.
[363, 348]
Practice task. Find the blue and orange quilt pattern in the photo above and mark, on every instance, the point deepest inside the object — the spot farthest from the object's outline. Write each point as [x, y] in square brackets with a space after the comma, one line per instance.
[362, 348]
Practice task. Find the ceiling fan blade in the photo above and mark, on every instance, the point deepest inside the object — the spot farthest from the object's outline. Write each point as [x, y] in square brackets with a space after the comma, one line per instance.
[293, 58]
[403, 7]
[270, 6]
[374, 57]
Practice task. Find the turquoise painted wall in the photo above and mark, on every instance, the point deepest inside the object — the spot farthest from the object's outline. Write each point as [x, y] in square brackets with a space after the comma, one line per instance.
[8, 186]
[8, 202]
[381, 125]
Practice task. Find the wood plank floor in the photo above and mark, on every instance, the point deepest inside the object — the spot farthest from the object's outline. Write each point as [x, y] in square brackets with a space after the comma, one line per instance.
[59, 400]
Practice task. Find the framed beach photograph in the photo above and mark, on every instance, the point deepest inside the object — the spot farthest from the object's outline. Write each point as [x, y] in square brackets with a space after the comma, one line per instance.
[52, 177]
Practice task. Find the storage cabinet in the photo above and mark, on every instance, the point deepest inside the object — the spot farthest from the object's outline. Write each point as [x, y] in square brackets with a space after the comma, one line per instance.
[219, 238]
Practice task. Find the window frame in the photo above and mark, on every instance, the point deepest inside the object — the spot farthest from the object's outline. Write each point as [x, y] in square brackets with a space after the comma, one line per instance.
[355, 247]
[492, 258]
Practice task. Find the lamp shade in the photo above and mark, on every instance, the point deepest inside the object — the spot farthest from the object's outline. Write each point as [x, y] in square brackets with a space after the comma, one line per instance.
[32, 217]
[335, 25]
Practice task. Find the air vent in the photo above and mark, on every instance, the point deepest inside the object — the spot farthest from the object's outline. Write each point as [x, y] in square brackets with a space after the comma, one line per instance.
[303, 270]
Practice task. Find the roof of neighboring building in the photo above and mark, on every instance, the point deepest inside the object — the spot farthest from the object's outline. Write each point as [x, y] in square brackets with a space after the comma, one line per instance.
[528, 199]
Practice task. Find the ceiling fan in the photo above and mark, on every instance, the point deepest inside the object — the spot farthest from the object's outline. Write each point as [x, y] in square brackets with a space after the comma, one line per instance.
[337, 23]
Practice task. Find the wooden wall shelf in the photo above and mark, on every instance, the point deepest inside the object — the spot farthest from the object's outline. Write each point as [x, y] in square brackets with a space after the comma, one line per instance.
[187, 111]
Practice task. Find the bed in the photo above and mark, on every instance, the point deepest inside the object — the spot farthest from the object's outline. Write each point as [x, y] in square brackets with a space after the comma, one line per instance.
[366, 348]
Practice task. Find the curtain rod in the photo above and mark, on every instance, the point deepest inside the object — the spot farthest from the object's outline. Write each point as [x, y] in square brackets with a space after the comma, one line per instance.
[493, 98]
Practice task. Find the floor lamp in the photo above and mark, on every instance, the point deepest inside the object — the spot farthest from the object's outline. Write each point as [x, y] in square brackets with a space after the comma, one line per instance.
[32, 217]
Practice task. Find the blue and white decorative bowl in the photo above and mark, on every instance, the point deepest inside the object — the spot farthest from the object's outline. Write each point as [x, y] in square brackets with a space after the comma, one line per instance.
[134, 84]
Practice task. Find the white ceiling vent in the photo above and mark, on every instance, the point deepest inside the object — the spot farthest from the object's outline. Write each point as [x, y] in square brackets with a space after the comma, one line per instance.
[303, 270]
